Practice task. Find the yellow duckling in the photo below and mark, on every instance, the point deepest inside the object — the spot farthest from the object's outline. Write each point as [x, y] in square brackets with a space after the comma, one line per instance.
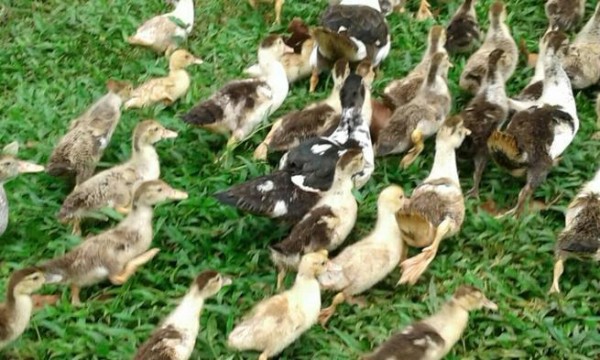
[162, 32]
[365, 263]
[166, 89]
[114, 187]
[117, 253]
[276, 322]
[79, 151]
[16, 311]
[175, 337]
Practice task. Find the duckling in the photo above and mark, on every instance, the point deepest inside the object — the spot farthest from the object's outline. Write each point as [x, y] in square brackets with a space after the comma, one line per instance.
[540, 131]
[314, 120]
[412, 123]
[114, 187]
[296, 64]
[436, 209]
[327, 224]
[10, 167]
[166, 89]
[79, 151]
[117, 253]
[354, 30]
[312, 163]
[403, 91]
[242, 104]
[276, 322]
[579, 239]
[581, 58]
[278, 7]
[433, 338]
[485, 113]
[497, 37]
[162, 33]
[16, 311]
[175, 337]
[565, 13]
[365, 263]
[463, 31]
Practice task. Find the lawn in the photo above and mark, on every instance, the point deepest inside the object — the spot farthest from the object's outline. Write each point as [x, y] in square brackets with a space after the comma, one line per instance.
[56, 57]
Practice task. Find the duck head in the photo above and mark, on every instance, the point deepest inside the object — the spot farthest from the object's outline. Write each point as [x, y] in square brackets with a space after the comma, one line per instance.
[352, 94]
[314, 264]
[391, 199]
[471, 298]
[121, 88]
[11, 166]
[149, 132]
[271, 49]
[181, 59]
[208, 283]
[25, 282]
[452, 132]
[156, 191]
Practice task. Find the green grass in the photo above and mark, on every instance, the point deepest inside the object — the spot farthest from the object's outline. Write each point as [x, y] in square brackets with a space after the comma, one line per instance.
[56, 57]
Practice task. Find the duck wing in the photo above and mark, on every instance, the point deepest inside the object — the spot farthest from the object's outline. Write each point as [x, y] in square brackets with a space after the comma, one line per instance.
[414, 342]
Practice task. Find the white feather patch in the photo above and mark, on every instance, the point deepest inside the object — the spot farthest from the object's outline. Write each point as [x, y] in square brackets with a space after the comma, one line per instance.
[280, 208]
[265, 187]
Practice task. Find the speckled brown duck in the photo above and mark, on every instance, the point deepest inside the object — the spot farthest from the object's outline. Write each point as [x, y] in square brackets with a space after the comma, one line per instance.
[485, 113]
[565, 14]
[463, 33]
[175, 337]
[580, 238]
[498, 37]
[80, 149]
[436, 208]
[433, 338]
[540, 131]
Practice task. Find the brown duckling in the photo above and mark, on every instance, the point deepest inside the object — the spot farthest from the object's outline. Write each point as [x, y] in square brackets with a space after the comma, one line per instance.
[117, 253]
[114, 187]
[314, 120]
[327, 224]
[414, 122]
[10, 167]
[565, 13]
[402, 91]
[436, 209]
[485, 113]
[463, 29]
[79, 151]
[276, 322]
[16, 311]
[540, 131]
[363, 264]
[166, 89]
[581, 58]
[175, 337]
[579, 239]
[433, 338]
[497, 37]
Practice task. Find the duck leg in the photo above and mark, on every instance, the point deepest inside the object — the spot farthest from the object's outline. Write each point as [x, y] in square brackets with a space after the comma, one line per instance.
[278, 7]
[76, 223]
[75, 299]
[263, 149]
[414, 267]
[480, 163]
[418, 145]
[328, 312]
[131, 267]
[559, 267]
[314, 80]
[424, 12]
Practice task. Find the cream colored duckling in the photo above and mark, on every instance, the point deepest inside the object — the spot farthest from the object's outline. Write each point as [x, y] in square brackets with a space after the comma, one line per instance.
[434, 337]
[241, 105]
[162, 32]
[117, 253]
[79, 151]
[166, 89]
[565, 13]
[16, 311]
[581, 236]
[581, 58]
[10, 167]
[328, 223]
[436, 209]
[497, 37]
[276, 322]
[421, 118]
[403, 91]
[175, 337]
[365, 263]
[114, 187]
[314, 120]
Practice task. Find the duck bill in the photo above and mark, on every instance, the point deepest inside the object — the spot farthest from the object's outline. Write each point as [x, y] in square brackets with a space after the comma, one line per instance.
[27, 167]
[178, 195]
[489, 304]
[288, 50]
[197, 61]
[227, 280]
[169, 134]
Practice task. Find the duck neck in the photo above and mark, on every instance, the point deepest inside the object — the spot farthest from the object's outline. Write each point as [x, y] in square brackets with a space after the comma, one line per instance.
[557, 86]
[370, 3]
[185, 12]
[450, 322]
[139, 217]
[497, 28]
[144, 153]
[593, 186]
[20, 305]
[350, 119]
[387, 225]
[342, 183]
[591, 30]
[188, 310]
[444, 162]
[468, 7]
[275, 75]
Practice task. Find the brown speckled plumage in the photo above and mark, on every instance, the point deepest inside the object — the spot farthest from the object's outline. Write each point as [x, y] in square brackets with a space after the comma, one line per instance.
[156, 347]
[582, 238]
[413, 343]
[463, 31]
